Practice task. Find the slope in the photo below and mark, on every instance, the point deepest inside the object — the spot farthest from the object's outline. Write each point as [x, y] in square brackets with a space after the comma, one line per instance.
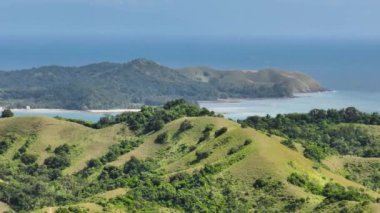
[264, 157]
[45, 134]
[121, 85]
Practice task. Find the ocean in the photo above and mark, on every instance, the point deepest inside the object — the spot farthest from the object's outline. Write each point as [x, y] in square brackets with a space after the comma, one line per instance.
[240, 109]
[337, 64]
[351, 67]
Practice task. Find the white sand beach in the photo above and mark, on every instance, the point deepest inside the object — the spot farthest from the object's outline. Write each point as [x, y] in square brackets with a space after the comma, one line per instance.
[102, 111]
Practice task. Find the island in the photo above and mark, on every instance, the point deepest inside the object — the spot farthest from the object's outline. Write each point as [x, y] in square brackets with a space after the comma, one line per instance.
[141, 82]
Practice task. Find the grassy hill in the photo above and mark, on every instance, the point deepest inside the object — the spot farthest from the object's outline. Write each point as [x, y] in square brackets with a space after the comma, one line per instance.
[197, 163]
[48, 133]
[4, 207]
[121, 85]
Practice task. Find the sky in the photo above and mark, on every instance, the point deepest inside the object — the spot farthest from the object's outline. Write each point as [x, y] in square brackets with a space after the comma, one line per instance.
[244, 18]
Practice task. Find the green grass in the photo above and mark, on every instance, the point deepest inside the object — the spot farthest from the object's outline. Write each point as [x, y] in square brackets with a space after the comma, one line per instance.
[264, 157]
[92, 207]
[4, 207]
[89, 143]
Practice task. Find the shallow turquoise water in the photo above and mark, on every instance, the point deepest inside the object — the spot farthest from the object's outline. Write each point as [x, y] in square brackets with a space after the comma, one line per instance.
[240, 109]
[83, 115]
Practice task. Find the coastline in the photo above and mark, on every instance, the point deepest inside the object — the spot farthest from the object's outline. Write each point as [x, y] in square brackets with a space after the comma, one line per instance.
[105, 111]
[46, 110]
[239, 100]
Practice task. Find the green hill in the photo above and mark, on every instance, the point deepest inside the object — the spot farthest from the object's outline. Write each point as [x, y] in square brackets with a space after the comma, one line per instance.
[198, 163]
[114, 85]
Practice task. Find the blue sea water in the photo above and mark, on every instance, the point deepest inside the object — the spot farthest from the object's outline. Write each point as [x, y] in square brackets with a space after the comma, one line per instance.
[352, 67]
[337, 64]
[240, 109]
[72, 114]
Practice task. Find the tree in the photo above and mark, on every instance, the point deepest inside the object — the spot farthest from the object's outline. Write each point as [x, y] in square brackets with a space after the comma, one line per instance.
[185, 125]
[7, 113]
[221, 131]
[162, 138]
[28, 159]
[57, 162]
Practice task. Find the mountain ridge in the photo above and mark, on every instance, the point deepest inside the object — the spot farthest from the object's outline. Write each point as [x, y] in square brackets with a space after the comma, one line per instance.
[141, 82]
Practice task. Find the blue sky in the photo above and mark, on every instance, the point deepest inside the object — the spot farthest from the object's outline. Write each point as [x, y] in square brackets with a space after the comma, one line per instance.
[292, 18]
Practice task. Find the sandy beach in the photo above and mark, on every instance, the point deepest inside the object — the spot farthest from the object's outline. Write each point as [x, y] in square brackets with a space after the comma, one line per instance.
[102, 111]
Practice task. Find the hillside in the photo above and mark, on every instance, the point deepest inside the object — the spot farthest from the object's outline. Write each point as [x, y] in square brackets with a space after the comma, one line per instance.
[200, 163]
[114, 85]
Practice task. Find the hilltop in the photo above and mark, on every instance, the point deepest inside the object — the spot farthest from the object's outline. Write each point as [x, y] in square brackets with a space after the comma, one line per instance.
[141, 82]
[180, 158]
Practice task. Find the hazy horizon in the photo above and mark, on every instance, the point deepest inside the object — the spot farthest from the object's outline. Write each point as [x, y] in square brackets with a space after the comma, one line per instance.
[338, 64]
[333, 41]
[265, 18]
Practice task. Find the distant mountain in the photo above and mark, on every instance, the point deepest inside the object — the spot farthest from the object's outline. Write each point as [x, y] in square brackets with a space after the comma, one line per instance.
[141, 81]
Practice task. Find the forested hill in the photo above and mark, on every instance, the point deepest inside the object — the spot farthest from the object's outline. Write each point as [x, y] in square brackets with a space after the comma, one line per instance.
[182, 158]
[119, 85]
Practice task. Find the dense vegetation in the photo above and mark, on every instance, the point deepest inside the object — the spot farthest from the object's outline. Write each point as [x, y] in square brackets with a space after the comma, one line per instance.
[112, 85]
[186, 167]
[324, 132]
[366, 173]
[154, 118]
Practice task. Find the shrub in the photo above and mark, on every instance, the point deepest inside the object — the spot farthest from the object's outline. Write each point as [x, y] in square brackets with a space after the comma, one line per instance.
[289, 143]
[221, 131]
[209, 128]
[298, 180]
[192, 148]
[259, 183]
[6, 143]
[336, 192]
[244, 125]
[62, 149]
[315, 152]
[162, 138]
[268, 185]
[72, 209]
[28, 159]
[233, 150]
[135, 167]
[295, 205]
[57, 162]
[155, 125]
[7, 113]
[247, 142]
[304, 182]
[185, 125]
[205, 136]
[202, 155]
[4, 146]
[119, 149]
[94, 163]
[110, 172]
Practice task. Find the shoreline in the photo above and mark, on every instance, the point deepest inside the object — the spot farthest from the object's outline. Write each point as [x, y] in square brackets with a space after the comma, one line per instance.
[46, 110]
[105, 111]
[239, 100]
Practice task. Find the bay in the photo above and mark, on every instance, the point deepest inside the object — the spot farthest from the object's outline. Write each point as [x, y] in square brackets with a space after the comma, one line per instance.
[240, 109]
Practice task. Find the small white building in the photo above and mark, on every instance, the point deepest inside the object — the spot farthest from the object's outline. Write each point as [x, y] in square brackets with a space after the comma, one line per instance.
[27, 107]
[1, 108]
